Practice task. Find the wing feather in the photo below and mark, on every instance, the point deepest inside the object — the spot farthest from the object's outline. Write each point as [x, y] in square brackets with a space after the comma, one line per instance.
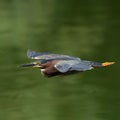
[63, 66]
[73, 65]
[49, 56]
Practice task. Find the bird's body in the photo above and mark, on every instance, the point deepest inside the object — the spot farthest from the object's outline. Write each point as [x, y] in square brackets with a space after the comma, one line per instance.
[55, 64]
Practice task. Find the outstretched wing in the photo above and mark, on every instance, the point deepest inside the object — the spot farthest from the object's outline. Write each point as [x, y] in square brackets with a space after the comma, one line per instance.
[73, 65]
[67, 65]
[63, 66]
[48, 56]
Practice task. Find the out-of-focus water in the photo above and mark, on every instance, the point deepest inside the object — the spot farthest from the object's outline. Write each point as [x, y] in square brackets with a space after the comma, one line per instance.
[87, 29]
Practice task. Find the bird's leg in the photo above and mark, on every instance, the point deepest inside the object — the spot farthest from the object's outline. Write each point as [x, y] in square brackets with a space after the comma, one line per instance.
[105, 64]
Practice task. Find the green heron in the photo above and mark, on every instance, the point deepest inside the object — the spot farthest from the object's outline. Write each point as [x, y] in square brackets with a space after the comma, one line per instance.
[54, 64]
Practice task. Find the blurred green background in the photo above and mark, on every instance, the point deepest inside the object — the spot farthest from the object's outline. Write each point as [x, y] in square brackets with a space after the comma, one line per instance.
[88, 29]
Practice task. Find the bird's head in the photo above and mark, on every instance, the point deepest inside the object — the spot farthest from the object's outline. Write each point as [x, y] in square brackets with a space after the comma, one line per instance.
[36, 64]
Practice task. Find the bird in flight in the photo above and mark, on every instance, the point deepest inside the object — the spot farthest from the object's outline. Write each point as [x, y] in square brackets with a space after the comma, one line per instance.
[55, 64]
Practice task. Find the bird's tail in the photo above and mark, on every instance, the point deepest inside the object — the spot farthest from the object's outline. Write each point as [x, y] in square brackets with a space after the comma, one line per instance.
[104, 64]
